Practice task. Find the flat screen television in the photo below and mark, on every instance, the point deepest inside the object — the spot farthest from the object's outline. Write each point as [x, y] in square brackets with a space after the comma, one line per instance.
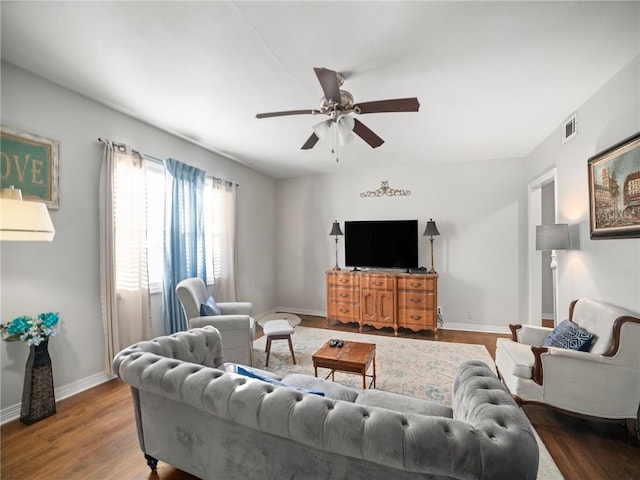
[381, 243]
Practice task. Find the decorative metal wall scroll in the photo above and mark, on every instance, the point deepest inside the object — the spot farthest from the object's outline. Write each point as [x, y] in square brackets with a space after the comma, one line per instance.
[385, 189]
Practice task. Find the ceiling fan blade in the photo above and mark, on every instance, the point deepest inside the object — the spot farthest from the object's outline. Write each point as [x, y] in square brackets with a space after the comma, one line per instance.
[287, 112]
[329, 83]
[394, 105]
[311, 141]
[366, 134]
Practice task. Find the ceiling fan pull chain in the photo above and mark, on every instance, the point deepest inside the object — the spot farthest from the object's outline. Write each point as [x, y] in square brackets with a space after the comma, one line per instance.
[334, 134]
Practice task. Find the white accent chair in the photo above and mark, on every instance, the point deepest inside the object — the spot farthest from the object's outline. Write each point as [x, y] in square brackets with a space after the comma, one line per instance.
[236, 324]
[603, 382]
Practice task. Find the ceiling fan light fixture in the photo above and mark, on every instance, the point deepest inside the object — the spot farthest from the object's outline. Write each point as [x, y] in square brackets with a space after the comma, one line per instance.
[345, 126]
[322, 129]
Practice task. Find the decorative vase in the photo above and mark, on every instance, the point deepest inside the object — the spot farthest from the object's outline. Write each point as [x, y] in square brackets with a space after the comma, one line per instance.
[38, 397]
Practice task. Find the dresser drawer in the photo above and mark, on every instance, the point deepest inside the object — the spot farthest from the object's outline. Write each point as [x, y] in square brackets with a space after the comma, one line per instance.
[342, 295]
[417, 282]
[378, 282]
[417, 300]
[343, 279]
[343, 311]
[408, 317]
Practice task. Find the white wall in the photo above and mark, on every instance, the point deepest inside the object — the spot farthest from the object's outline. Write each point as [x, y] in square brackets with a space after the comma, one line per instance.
[63, 275]
[607, 270]
[480, 211]
[548, 217]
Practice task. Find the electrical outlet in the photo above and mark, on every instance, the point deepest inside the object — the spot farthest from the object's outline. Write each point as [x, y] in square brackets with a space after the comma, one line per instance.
[439, 309]
[469, 316]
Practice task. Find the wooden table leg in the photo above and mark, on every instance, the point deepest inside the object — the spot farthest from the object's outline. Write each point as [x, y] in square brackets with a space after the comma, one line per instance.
[374, 369]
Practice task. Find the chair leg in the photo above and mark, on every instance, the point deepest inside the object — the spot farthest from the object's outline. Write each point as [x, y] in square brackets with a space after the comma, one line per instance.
[268, 350]
[293, 355]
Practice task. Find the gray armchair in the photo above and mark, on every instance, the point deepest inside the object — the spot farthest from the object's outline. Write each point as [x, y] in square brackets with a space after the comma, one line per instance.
[236, 324]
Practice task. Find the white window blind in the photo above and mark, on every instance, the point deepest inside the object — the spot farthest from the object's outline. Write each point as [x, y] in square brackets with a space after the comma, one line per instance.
[155, 224]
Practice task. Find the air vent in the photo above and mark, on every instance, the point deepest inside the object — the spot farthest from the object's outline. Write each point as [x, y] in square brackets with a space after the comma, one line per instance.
[569, 129]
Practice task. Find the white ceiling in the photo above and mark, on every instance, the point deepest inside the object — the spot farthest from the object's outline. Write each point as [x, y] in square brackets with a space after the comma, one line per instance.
[493, 79]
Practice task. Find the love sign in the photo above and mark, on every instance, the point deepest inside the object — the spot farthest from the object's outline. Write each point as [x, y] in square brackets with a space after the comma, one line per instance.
[30, 163]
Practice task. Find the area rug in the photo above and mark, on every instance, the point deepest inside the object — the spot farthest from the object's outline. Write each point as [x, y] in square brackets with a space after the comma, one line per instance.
[412, 367]
[416, 368]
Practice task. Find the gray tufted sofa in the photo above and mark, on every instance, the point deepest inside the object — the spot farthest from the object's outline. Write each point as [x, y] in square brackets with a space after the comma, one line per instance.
[214, 424]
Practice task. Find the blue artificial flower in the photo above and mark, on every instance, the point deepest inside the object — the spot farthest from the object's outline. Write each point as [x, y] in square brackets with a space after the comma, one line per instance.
[19, 325]
[31, 330]
[49, 319]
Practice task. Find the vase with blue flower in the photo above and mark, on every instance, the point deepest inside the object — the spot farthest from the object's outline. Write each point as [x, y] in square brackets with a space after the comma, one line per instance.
[38, 395]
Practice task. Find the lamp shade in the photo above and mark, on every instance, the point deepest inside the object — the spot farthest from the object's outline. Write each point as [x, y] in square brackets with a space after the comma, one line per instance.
[552, 237]
[322, 129]
[21, 220]
[431, 229]
[335, 229]
[345, 126]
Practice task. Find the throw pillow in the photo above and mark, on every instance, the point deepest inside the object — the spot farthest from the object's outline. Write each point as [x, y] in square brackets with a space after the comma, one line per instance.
[569, 335]
[252, 374]
[209, 308]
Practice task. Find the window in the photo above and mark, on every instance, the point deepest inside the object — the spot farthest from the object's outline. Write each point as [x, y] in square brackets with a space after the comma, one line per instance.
[215, 214]
[218, 204]
[155, 224]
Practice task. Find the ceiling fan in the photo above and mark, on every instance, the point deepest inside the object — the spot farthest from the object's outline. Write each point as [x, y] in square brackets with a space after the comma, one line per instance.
[339, 105]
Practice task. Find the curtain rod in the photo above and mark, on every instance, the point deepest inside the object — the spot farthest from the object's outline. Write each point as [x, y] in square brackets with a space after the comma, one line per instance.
[159, 160]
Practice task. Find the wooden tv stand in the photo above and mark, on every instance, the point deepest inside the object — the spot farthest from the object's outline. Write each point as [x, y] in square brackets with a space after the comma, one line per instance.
[383, 299]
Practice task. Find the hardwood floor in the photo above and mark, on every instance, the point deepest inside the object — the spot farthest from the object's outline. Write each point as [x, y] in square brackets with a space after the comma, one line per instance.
[93, 434]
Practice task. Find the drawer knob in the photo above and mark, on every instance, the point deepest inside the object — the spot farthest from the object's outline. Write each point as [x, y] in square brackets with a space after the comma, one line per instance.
[344, 310]
[416, 285]
[415, 300]
[416, 317]
[344, 295]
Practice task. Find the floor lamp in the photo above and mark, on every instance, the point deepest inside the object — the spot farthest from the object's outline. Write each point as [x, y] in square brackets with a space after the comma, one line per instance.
[551, 238]
[335, 231]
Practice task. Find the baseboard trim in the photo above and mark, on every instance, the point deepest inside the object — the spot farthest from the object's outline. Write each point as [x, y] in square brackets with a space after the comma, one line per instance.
[470, 327]
[299, 311]
[12, 412]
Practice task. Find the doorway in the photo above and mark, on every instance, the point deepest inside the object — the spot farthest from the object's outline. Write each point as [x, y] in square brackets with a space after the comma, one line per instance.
[542, 210]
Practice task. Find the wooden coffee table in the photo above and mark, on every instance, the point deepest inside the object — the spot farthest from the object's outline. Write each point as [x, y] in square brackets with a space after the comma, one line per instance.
[352, 357]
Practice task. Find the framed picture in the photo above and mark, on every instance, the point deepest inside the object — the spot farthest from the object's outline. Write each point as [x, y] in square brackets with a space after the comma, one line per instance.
[30, 163]
[614, 191]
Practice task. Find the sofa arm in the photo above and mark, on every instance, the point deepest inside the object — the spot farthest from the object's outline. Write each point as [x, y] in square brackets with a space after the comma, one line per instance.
[236, 308]
[481, 400]
[558, 355]
[529, 334]
[591, 384]
[202, 346]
